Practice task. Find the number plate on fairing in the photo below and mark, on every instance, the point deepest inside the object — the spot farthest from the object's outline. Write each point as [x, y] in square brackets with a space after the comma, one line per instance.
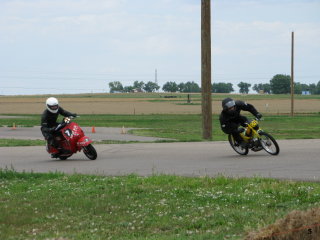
[68, 132]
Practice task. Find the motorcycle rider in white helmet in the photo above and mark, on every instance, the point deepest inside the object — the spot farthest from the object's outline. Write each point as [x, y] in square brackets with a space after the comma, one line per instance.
[49, 121]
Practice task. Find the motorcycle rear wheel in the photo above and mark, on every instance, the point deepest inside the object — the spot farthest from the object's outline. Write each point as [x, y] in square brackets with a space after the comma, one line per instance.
[236, 147]
[269, 144]
[90, 152]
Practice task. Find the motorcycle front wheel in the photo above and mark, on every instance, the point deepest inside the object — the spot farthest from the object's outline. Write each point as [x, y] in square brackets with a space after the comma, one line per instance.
[90, 152]
[240, 150]
[269, 144]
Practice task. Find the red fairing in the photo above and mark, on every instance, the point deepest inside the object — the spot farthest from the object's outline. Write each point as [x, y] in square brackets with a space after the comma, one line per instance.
[71, 139]
[72, 133]
[84, 141]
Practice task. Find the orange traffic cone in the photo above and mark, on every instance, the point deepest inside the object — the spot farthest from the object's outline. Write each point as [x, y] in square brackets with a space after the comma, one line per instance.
[14, 126]
[93, 130]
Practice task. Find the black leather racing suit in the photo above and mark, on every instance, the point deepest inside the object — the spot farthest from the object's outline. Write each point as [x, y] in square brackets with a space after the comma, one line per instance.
[49, 123]
[230, 122]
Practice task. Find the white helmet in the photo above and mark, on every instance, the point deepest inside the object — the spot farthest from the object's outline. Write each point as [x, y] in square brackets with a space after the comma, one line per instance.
[52, 104]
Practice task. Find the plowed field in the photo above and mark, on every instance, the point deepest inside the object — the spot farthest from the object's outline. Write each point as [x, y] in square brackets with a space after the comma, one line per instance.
[87, 105]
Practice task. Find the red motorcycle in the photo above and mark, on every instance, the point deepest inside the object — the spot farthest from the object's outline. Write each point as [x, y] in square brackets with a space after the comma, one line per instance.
[71, 139]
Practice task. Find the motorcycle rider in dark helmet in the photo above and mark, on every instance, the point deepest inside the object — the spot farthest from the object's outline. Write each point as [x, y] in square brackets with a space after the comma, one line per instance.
[49, 121]
[230, 118]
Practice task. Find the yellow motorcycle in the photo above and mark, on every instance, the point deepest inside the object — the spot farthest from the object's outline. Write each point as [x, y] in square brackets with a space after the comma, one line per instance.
[256, 139]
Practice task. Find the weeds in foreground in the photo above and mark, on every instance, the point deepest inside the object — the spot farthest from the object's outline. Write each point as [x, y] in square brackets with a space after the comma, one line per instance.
[53, 206]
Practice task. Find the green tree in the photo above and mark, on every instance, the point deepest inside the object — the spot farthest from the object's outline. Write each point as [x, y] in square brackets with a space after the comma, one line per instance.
[138, 85]
[151, 87]
[265, 87]
[222, 87]
[299, 87]
[115, 86]
[128, 89]
[190, 87]
[244, 87]
[170, 87]
[181, 87]
[280, 84]
[315, 88]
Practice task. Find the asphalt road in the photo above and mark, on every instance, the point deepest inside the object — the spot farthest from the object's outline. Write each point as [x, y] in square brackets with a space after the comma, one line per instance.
[298, 160]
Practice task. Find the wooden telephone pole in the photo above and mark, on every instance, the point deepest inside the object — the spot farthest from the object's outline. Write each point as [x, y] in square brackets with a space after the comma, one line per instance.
[292, 74]
[206, 69]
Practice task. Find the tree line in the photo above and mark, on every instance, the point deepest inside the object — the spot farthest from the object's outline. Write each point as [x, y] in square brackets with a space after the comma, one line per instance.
[279, 84]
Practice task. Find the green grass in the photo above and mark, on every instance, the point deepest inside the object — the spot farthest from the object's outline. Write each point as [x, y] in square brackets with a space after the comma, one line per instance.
[20, 142]
[181, 127]
[57, 206]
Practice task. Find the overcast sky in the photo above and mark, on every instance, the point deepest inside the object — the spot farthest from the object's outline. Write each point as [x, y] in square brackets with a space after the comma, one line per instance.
[75, 46]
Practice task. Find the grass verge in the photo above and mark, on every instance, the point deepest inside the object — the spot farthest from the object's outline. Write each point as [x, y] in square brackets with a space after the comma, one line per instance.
[58, 206]
[20, 142]
[186, 127]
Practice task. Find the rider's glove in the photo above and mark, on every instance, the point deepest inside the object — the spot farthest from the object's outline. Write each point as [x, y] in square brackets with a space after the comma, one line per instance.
[258, 115]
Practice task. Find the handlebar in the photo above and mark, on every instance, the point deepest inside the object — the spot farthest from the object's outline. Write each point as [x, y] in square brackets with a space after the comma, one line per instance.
[64, 122]
[60, 126]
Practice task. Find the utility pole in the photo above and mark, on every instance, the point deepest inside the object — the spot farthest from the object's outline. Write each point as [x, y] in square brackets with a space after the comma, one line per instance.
[292, 74]
[206, 69]
[155, 77]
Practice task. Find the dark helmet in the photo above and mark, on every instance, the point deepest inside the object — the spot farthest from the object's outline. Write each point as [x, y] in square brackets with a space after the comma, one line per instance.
[228, 103]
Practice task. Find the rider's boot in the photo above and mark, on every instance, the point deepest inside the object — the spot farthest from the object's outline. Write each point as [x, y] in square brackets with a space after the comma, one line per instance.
[63, 151]
[55, 155]
[243, 144]
[54, 149]
[238, 139]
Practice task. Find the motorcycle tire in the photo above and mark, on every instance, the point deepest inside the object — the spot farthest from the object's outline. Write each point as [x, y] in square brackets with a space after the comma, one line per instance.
[235, 147]
[90, 152]
[269, 144]
[63, 157]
